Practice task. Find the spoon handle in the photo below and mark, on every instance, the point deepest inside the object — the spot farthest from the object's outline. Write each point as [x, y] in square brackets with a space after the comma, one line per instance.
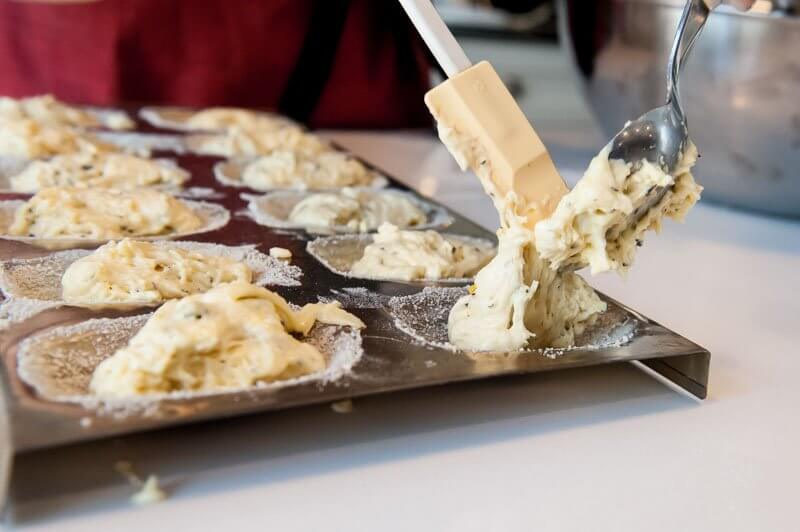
[692, 21]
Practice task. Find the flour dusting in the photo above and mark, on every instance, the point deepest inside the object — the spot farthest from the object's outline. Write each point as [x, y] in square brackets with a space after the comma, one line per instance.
[338, 253]
[423, 316]
[144, 143]
[273, 210]
[59, 363]
[33, 285]
[214, 217]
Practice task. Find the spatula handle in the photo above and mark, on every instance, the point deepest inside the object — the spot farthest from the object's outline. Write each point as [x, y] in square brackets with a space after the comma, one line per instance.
[437, 36]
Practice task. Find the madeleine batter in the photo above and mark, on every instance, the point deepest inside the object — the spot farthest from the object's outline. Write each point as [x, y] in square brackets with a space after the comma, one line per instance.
[358, 210]
[592, 223]
[97, 169]
[131, 272]
[102, 214]
[240, 141]
[517, 299]
[27, 139]
[48, 110]
[232, 336]
[222, 118]
[300, 170]
[413, 255]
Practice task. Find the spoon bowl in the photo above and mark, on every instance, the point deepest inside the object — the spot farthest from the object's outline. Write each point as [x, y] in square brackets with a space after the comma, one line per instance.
[660, 135]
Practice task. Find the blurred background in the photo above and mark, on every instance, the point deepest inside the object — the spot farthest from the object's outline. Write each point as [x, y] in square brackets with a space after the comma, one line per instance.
[581, 69]
[524, 48]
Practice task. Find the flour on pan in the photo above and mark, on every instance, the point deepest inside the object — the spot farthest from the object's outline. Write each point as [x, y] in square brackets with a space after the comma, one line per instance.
[33, 285]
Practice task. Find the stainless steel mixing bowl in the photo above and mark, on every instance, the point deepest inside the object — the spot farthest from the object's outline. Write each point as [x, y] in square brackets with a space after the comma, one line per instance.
[740, 88]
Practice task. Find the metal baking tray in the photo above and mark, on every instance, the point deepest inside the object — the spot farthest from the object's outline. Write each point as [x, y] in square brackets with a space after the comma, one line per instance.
[392, 360]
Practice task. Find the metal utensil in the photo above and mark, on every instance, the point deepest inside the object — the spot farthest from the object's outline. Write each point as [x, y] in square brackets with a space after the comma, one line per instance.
[660, 135]
[739, 89]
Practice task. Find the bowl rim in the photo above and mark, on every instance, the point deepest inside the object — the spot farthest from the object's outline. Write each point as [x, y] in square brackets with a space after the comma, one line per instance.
[726, 10]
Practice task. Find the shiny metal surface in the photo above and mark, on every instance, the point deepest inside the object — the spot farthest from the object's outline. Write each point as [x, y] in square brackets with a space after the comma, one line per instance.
[393, 360]
[660, 135]
[739, 90]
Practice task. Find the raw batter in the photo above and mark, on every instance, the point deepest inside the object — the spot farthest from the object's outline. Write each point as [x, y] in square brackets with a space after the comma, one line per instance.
[146, 273]
[46, 109]
[97, 169]
[250, 142]
[516, 299]
[411, 255]
[357, 210]
[591, 225]
[102, 214]
[280, 253]
[27, 139]
[232, 336]
[301, 170]
[222, 118]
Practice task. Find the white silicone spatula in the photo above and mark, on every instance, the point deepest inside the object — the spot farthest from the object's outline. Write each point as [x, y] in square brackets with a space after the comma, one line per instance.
[475, 103]
[437, 36]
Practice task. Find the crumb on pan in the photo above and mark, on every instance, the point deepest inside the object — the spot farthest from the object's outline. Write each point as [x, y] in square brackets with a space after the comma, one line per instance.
[149, 493]
[342, 407]
[150, 490]
[280, 253]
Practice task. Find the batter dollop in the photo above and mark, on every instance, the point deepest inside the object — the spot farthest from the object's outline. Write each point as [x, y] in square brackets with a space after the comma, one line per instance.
[147, 273]
[222, 118]
[46, 109]
[517, 299]
[232, 336]
[97, 169]
[27, 139]
[412, 255]
[591, 224]
[102, 214]
[358, 210]
[240, 141]
[300, 170]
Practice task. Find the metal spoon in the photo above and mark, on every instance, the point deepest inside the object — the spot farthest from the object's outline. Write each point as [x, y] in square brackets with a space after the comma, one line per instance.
[660, 135]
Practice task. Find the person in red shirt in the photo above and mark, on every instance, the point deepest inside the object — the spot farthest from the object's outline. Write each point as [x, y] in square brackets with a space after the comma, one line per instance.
[329, 63]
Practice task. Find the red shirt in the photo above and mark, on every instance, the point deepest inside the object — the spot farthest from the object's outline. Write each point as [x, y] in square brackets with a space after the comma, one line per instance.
[214, 52]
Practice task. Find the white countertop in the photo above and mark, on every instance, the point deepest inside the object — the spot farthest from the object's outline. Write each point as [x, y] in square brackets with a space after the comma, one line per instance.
[590, 449]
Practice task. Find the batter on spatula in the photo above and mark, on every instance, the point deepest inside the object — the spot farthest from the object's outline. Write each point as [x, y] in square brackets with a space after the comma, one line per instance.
[528, 295]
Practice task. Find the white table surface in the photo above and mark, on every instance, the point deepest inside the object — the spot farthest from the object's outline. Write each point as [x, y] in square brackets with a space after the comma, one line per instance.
[591, 449]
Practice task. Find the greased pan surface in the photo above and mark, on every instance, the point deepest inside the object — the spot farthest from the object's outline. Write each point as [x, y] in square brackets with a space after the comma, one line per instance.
[404, 342]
